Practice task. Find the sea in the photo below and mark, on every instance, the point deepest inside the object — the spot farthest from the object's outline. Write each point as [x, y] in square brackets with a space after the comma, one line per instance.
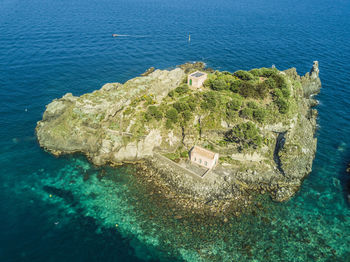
[65, 209]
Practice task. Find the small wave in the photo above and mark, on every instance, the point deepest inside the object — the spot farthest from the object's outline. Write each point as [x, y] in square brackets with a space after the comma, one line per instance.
[342, 147]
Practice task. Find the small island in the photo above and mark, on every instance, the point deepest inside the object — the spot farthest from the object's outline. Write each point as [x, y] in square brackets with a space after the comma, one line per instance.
[211, 137]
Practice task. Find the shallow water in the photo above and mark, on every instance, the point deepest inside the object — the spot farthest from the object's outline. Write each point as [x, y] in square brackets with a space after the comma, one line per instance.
[50, 48]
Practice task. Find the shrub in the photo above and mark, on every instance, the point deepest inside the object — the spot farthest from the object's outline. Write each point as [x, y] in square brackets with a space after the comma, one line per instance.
[171, 93]
[186, 115]
[236, 96]
[261, 90]
[172, 115]
[219, 84]
[280, 81]
[236, 85]
[207, 83]
[228, 78]
[231, 114]
[246, 113]
[181, 106]
[245, 134]
[149, 100]
[209, 100]
[281, 101]
[169, 124]
[283, 105]
[243, 75]
[252, 105]
[260, 115]
[192, 104]
[141, 131]
[277, 93]
[127, 111]
[255, 72]
[184, 154]
[285, 92]
[209, 146]
[153, 112]
[234, 104]
[247, 89]
[267, 72]
[182, 89]
[270, 83]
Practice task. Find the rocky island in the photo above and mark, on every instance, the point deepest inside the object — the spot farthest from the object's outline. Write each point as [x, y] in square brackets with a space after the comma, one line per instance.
[261, 123]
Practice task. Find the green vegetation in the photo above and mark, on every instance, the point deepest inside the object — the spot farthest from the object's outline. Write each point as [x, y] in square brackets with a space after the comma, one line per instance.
[153, 112]
[179, 91]
[172, 115]
[254, 112]
[182, 89]
[209, 100]
[243, 75]
[270, 83]
[247, 113]
[235, 104]
[128, 111]
[184, 108]
[181, 106]
[263, 72]
[148, 99]
[245, 134]
[281, 99]
[257, 84]
[219, 84]
[246, 100]
[250, 89]
[181, 152]
[260, 115]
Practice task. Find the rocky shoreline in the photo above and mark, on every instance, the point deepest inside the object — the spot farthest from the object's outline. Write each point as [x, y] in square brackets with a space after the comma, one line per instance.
[93, 124]
[167, 187]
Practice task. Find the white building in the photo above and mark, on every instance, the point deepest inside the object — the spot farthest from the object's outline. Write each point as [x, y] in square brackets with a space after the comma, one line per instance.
[204, 157]
[196, 79]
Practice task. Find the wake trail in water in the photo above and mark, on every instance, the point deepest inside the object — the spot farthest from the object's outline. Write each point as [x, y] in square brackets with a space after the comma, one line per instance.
[136, 36]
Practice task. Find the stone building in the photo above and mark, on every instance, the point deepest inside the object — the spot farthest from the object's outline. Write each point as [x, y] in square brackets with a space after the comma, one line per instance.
[204, 157]
[196, 79]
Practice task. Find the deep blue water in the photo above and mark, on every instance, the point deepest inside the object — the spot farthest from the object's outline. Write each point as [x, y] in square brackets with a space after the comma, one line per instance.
[49, 48]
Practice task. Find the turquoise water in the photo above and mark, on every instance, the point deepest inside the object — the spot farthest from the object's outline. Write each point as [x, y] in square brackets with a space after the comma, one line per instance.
[49, 48]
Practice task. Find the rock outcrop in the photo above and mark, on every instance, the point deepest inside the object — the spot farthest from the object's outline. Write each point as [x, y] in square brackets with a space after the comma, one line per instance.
[87, 124]
[311, 81]
[107, 126]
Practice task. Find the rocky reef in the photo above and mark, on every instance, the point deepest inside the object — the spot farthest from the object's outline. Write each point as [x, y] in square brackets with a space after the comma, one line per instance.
[155, 119]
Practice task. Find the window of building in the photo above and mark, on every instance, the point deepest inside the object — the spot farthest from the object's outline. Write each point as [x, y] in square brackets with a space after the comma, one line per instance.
[205, 163]
[195, 159]
[200, 161]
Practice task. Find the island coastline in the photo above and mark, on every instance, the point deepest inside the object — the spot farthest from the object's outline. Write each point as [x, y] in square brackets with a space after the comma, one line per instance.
[64, 131]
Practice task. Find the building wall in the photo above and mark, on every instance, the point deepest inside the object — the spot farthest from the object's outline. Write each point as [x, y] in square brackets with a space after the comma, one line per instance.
[201, 80]
[201, 160]
[196, 81]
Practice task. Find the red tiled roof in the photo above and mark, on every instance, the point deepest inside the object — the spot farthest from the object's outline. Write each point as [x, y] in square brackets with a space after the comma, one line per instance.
[203, 152]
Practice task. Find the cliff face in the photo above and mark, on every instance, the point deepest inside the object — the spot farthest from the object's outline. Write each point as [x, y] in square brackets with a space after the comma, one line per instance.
[89, 124]
[108, 125]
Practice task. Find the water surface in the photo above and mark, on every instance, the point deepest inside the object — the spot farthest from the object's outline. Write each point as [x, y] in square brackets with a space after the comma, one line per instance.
[49, 48]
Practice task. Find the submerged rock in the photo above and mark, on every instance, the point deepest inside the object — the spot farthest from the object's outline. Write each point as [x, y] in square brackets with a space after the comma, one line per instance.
[131, 122]
[148, 71]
